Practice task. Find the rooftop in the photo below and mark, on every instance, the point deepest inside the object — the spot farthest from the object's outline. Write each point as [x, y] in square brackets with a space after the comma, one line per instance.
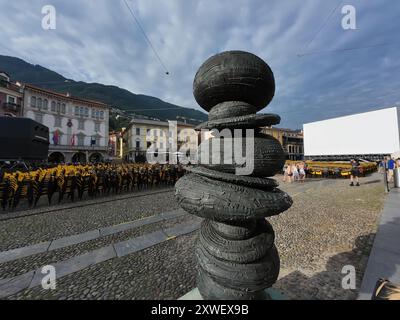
[65, 96]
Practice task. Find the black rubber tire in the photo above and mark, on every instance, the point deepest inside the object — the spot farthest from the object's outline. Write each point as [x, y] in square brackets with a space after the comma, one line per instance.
[234, 76]
[240, 230]
[212, 290]
[238, 251]
[231, 109]
[252, 276]
[269, 156]
[221, 201]
[252, 182]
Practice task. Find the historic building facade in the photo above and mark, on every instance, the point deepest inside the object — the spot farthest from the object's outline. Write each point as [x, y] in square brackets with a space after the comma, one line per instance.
[11, 97]
[142, 133]
[78, 127]
[291, 140]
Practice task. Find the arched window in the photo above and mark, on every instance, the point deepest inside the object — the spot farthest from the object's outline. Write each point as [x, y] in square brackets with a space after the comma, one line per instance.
[58, 107]
[33, 102]
[63, 108]
[101, 114]
[39, 103]
[45, 104]
[86, 112]
[53, 106]
[77, 111]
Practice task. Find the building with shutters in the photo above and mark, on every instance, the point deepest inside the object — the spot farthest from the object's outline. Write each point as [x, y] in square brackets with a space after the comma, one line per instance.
[78, 127]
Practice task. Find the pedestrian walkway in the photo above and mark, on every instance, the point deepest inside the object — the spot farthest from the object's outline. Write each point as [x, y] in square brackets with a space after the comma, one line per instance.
[55, 244]
[384, 259]
[31, 279]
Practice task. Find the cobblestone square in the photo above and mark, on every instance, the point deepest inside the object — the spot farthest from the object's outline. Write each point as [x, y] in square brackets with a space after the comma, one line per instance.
[329, 226]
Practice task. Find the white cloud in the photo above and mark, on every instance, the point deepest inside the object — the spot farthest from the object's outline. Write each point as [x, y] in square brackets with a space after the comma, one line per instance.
[97, 41]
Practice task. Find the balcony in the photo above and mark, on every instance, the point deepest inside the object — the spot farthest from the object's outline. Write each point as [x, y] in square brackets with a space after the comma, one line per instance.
[9, 106]
[4, 83]
[78, 148]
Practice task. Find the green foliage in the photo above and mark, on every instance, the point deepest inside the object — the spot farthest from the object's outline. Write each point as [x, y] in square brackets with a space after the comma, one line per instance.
[117, 124]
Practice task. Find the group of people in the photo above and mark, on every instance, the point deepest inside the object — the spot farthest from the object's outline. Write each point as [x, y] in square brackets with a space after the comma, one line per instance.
[74, 180]
[388, 164]
[294, 172]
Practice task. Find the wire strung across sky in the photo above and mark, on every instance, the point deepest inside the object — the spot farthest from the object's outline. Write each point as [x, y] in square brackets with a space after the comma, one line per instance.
[320, 29]
[303, 53]
[146, 37]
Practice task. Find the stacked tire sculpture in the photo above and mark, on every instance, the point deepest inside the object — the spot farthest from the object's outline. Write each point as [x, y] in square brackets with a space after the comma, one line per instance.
[236, 255]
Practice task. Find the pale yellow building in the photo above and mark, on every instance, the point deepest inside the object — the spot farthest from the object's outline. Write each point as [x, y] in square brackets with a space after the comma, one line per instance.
[142, 133]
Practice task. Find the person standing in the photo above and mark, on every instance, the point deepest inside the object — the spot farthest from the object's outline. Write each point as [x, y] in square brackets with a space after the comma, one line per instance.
[390, 166]
[302, 172]
[289, 173]
[355, 172]
[285, 175]
[295, 172]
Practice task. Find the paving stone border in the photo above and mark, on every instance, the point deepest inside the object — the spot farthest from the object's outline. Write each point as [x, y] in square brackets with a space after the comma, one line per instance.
[33, 278]
[84, 203]
[23, 252]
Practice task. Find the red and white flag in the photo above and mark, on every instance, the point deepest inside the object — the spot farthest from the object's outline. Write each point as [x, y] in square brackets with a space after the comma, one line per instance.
[73, 140]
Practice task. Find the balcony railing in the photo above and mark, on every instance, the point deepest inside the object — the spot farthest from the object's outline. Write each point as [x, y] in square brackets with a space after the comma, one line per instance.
[69, 147]
[11, 106]
[4, 83]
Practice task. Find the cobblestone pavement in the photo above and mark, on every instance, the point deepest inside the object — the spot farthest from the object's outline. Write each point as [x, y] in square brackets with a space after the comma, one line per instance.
[329, 225]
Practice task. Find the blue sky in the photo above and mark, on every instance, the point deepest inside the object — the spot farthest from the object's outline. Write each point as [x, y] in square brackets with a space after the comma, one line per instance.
[97, 41]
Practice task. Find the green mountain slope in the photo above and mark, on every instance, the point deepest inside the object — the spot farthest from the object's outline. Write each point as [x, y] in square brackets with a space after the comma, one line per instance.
[20, 70]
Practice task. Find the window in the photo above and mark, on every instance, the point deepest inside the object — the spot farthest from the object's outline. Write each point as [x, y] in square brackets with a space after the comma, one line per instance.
[39, 103]
[96, 126]
[138, 144]
[86, 112]
[138, 131]
[63, 108]
[39, 117]
[161, 145]
[53, 106]
[58, 107]
[101, 114]
[11, 99]
[148, 130]
[45, 104]
[81, 124]
[76, 111]
[57, 121]
[33, 102]
[81, 111]
[93, 111]
[81, 139]
[161, 133]
[93, 141]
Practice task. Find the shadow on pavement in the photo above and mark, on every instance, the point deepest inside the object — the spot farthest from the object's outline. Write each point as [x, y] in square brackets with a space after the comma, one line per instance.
[327, 285]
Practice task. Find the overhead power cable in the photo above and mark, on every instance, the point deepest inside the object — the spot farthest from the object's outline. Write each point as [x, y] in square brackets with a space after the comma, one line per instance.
[352, 49]
[320, 29]
[146, 37]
